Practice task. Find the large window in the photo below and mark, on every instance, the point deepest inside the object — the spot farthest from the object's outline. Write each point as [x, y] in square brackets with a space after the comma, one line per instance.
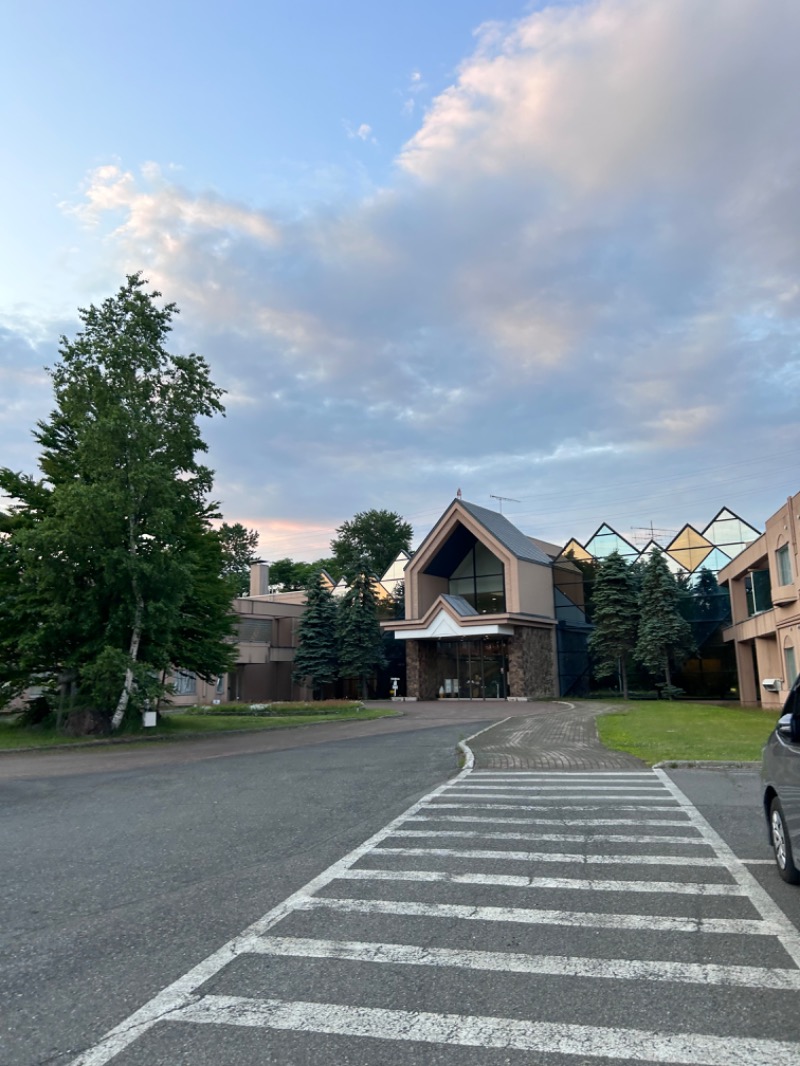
[784, 565]
[185, 683]
[479, 579]
[758, 591]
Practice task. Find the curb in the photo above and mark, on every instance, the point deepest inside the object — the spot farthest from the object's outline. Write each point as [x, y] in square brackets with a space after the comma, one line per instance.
[704, 764]
[112, 742]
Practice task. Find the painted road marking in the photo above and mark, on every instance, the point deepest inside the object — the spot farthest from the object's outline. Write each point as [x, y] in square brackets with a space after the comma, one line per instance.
[531, 916]
[513, 962]
[538, 807]
[182, 1001]
[672, 888]
[554, 856]
[681, 1049]
[579, 838]
[567, 822]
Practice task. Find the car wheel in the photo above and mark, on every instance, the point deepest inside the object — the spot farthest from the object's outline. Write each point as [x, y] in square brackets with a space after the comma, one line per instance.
[781, 844]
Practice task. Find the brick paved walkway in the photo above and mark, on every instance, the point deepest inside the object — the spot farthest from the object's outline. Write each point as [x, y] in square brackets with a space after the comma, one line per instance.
[555, 737]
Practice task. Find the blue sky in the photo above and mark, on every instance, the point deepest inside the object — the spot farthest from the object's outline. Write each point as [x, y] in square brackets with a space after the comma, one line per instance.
[542, 251]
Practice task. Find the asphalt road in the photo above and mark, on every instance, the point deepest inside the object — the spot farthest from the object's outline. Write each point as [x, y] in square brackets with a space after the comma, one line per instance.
[119, 879]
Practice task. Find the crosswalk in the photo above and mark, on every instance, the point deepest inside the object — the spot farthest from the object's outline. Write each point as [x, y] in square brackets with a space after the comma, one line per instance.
[576, 917]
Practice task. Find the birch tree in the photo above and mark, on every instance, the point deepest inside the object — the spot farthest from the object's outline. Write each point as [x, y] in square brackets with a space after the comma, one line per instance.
[113, 543]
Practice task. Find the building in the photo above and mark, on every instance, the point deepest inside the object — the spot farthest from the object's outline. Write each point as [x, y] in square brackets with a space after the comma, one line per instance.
[490, 613]
[764, 586]
[266, 639]
[695, 555]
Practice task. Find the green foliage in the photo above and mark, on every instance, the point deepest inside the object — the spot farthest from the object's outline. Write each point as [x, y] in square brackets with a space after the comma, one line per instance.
[616, 617]
[316, 658]
[290, 576]
[369, 542]
[101, 681]
[665, 637]
[112, 549]
[360, 641]
[239, 551]
[274, 710]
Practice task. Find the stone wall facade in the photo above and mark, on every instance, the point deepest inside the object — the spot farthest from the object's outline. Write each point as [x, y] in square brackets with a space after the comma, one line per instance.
[531, 664]
[421, 669]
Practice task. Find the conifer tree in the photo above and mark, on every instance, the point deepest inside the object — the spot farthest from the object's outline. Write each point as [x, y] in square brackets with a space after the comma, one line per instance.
[664, 635]
[317, 658]
[616, 617]
[360, 641]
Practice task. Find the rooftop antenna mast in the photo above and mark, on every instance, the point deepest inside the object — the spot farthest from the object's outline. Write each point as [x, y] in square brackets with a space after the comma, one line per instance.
[500, 499]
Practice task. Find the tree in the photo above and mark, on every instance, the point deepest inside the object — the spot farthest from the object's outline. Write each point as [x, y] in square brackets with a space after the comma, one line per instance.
[289, 575]
[316, 657]
[117, 570]
[370, 542]
[239, 552]
[616, 617]
[664, 635]
[360, 640]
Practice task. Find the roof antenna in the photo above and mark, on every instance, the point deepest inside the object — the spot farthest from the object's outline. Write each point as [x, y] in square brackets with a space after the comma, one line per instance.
[508, 499]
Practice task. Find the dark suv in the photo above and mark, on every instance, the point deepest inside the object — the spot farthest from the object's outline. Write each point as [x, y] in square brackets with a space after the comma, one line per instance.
[780, 774]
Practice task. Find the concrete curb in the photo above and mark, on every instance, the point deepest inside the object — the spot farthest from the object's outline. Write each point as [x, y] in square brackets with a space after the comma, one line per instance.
[466, 750]
[704, 764]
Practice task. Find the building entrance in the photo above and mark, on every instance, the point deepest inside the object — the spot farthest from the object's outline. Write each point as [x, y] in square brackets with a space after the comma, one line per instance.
[472, 669]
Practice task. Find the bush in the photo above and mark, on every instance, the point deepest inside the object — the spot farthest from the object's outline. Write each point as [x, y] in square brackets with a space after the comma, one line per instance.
[275, 710]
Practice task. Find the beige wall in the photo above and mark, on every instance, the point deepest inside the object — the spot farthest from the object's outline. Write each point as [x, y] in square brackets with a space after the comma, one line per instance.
[768, 633]
[532, 592]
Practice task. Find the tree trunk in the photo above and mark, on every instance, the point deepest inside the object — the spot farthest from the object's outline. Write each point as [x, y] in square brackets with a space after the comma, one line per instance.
[623, 669]
[669, 679]
[133, 654]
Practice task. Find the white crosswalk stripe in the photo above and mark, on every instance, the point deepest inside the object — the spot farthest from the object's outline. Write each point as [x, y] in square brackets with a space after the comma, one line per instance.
[406, 903]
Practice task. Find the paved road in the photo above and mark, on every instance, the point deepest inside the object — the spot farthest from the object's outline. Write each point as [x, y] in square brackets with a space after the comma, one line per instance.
[508, 917]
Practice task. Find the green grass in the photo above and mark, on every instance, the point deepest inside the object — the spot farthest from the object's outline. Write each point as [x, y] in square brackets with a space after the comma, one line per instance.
[661, 731]
[181, 726]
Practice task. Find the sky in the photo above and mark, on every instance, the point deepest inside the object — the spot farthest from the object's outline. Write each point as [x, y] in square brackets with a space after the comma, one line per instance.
[546, 254]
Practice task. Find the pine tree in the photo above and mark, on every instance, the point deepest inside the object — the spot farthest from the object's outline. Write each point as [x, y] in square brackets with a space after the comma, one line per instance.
[616, 617]
[664, 635]
[360, 640]
[316, 657]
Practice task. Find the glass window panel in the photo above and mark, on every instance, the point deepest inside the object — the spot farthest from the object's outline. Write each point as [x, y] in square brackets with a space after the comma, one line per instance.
[185, 683]
[486, 562]
[466, 567]
[784, 565]
[491, 602]
[762, 590]
[791, 665]
[459, 586]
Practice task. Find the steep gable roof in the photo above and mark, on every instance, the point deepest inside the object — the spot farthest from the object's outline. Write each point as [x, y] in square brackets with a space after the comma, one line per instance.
[506, 533]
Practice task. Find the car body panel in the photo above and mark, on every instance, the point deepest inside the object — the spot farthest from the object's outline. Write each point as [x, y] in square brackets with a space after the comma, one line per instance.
[780, 768]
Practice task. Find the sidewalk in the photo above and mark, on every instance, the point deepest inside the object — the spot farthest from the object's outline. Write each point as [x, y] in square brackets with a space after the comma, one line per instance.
[555, 737]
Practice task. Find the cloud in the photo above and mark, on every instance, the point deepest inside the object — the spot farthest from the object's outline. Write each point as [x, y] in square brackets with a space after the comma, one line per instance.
[582, 276]
[362, 132]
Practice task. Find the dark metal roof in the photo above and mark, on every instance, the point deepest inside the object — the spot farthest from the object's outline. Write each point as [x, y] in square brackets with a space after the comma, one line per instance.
[506, 533]
[459, 605]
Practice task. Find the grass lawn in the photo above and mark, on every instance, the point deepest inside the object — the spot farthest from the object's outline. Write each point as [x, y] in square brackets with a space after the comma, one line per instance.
[660, 730]
[180, 726]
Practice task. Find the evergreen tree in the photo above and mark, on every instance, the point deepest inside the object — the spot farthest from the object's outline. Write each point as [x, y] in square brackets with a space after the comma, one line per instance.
[664, 635]
[316, 657]
[616, 618]
[117, 572]
[371, 540]
[360, 641]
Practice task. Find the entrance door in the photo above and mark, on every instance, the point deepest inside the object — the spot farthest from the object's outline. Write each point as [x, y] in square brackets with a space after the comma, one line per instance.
[472, 669]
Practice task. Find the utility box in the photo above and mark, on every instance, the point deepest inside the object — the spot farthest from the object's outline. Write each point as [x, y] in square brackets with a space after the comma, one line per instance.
[149, 719]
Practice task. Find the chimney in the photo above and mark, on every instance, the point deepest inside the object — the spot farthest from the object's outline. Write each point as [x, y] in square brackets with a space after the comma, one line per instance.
[259, 579]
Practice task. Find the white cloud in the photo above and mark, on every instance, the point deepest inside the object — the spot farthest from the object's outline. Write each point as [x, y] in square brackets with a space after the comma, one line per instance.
[584, 271]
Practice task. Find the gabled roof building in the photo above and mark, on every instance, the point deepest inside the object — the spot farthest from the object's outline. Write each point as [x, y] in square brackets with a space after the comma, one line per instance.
[490, 613]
